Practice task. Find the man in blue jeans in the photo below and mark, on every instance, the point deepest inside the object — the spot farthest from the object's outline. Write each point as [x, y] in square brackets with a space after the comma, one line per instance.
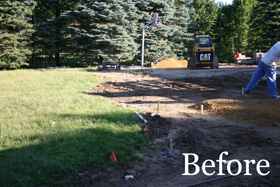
[267, 66]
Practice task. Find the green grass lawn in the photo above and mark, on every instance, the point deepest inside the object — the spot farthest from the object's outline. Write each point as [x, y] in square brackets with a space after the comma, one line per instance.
[50, 128]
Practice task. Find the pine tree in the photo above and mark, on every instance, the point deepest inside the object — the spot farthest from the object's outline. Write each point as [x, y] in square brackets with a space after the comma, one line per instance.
[225, 33]
[182, 38]
[15, 32]
[50, 28]
[96, 29]
[106, 28]
[265, 25]
[175, 39]
[205, 16]
[158, 43]
[243, 11]
[79, 39]
[114, 27]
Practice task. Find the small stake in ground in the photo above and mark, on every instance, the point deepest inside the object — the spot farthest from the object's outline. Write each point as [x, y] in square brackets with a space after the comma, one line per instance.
[201, 108]
[158, 107]
[141, 117]
[170, 144]
[242, 90]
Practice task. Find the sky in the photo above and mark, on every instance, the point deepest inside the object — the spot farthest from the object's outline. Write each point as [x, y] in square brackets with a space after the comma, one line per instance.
[225, 1]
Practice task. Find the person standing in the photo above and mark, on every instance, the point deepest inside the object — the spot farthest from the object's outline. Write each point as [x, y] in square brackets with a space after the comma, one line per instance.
[267, 66]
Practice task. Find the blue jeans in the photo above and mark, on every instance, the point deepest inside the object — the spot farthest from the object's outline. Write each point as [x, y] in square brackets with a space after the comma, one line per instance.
[270, 72]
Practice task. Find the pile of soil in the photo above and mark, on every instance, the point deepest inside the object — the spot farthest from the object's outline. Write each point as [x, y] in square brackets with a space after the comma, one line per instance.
[157, 127]
[262, 112]
[171, 63]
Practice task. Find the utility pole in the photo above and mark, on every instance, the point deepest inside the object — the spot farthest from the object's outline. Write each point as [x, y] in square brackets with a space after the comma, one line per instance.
[145, 28]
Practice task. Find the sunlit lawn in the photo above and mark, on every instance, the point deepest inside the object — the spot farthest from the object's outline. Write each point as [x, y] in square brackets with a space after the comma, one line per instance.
[51, 128]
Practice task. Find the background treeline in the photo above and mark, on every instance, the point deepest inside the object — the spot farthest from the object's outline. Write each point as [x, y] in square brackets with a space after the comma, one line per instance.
[41, 33]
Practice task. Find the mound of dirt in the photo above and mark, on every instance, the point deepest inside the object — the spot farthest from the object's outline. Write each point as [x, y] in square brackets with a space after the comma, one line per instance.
[156, 127]
[264, 112]
[171, 63]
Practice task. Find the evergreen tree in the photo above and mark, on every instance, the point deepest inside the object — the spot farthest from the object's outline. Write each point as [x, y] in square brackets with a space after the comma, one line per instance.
[80, 38]
[174, 39]
[15, 31]
[182, 38]
[205, 16]
[50, 28]
[265, 25]
[114, 28]
[225, 33]
[106, 28]
[243, 11]
[96, 29]
[158, 44]
[232, 29]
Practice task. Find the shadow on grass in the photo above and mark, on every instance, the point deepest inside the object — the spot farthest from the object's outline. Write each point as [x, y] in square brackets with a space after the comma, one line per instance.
[122, 119]
[49, 159]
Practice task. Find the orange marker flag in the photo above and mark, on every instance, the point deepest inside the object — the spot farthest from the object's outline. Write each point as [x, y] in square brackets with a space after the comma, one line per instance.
[113, 157]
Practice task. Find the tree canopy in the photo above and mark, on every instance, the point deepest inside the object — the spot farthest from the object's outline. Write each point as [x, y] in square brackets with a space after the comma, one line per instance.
[82, 32]
[15, 32]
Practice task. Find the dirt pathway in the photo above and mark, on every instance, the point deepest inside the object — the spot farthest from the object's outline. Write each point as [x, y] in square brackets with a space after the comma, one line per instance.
[182, 129]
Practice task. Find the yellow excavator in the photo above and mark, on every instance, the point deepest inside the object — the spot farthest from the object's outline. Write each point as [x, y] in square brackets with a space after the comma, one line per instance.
[204, 53]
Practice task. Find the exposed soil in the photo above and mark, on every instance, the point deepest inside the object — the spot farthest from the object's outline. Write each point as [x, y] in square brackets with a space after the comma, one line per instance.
[172, 63]
[248, 127]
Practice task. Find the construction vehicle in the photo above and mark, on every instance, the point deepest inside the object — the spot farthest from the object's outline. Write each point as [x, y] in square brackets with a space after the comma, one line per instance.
[204, 53]
[111, 63]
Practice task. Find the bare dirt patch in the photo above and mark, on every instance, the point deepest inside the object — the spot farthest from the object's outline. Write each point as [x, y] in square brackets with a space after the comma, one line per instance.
[246, 127]
[157, 127]
[172, 63]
